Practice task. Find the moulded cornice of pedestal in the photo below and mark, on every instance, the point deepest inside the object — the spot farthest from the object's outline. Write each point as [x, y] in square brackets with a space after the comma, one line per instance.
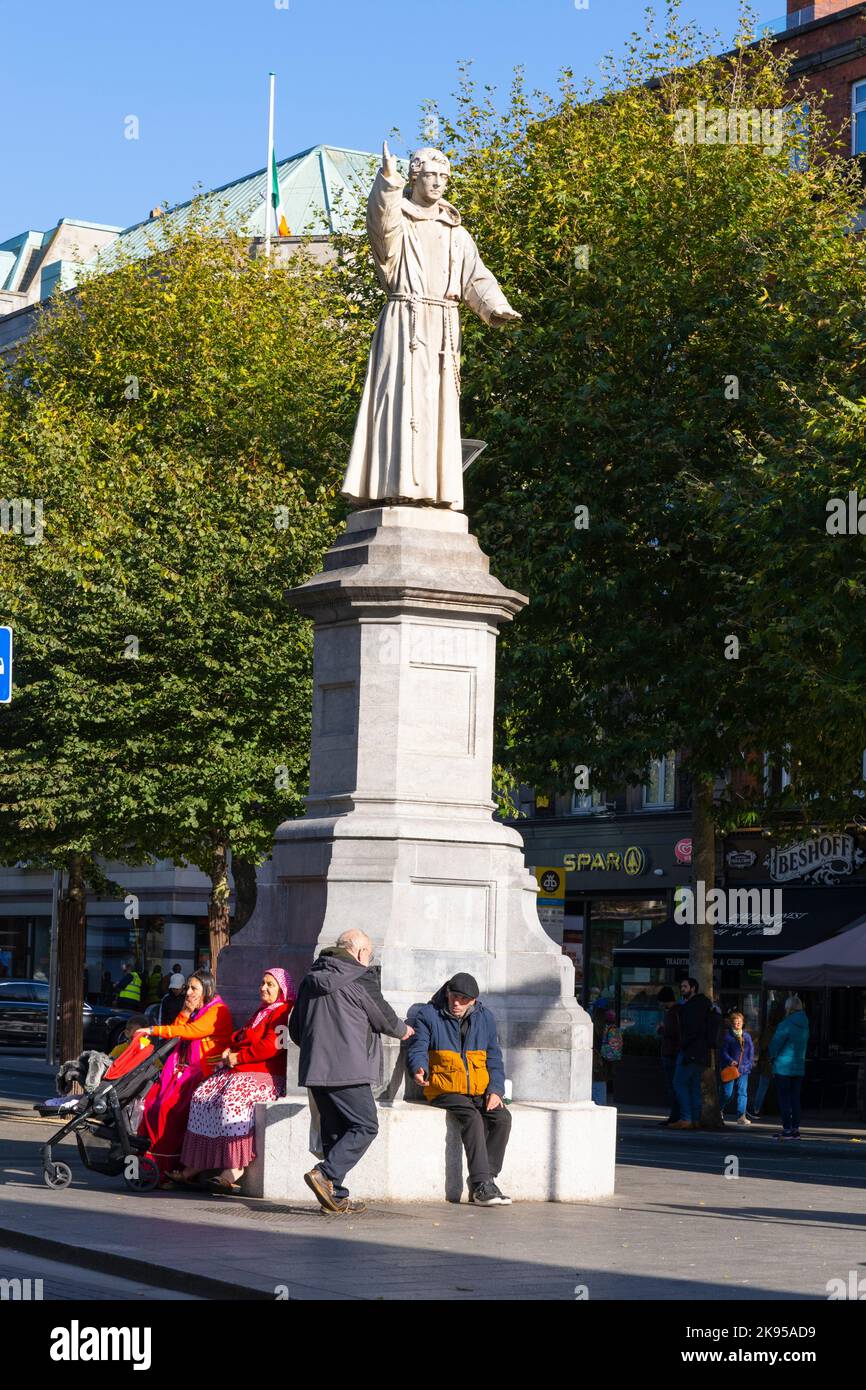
[331, 602]
[406, 557]
[458, 828]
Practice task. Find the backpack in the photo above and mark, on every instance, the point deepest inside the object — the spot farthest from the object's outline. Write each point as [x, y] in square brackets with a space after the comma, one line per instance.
[611, 1047]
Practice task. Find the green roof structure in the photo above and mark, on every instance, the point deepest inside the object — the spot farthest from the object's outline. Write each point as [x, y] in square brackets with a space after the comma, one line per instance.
[320, 188]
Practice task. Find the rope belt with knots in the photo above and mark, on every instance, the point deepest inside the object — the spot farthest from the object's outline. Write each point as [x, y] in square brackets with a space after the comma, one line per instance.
[413, 300]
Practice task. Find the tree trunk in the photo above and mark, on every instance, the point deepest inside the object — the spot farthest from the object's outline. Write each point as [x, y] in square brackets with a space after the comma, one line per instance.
[701, 933]
[246, 891]
[218, 903]
[72, 927]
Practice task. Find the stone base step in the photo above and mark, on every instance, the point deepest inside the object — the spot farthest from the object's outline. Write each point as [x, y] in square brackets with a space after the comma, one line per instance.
[558, 1152]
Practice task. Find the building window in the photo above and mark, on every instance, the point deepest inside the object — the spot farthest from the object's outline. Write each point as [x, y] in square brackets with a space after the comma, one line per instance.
[583, 803]
[776, 778]
[858, 118]
[660, 786]
[798, 160]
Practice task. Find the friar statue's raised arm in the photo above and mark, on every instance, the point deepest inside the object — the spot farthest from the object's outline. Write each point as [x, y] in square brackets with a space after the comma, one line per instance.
[407, 437]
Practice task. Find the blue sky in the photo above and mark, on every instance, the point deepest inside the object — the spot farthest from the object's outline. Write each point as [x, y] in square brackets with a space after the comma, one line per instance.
[194, 72]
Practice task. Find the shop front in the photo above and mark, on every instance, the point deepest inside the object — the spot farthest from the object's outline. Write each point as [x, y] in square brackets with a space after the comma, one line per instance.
[740, 952]
[24, 945]
[150, 941]
[157, 920]
[613, 881]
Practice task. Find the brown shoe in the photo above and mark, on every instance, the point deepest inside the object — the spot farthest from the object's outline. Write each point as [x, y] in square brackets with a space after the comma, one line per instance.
[682, 1124]
[323, 1188]
[349, 1207]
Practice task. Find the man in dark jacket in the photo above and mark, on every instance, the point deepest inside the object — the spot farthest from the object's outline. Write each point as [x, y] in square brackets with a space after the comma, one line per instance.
[455, 1056]
[696, 1038]
[336, 1023]
[669, 1032]
[172, 1002]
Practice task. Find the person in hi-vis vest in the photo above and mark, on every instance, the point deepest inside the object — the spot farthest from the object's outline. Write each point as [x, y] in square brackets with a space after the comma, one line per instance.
[129, 987]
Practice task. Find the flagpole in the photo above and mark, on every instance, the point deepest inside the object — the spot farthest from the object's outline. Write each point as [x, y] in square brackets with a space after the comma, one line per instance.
[269, 169]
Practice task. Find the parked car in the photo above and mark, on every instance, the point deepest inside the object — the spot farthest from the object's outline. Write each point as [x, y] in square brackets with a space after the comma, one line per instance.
[24, 1017]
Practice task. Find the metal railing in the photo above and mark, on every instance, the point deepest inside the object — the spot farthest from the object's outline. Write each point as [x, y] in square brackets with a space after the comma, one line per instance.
[787, 21]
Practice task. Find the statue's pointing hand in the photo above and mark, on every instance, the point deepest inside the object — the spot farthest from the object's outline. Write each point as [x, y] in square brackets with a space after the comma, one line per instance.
[389, 162]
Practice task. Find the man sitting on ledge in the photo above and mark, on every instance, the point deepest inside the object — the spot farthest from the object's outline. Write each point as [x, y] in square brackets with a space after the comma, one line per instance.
[455, 1056]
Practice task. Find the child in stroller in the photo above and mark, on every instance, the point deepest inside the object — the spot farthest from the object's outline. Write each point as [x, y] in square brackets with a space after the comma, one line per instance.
[104, 1122]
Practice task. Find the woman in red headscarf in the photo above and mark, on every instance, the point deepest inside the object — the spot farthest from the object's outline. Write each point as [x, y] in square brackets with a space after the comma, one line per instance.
[221, 1128]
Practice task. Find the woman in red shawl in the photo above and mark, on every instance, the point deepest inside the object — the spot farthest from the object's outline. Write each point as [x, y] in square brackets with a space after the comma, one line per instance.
[222, 1117]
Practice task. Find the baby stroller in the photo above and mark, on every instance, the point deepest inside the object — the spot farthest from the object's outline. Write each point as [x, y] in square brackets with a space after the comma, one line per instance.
[101, 1121]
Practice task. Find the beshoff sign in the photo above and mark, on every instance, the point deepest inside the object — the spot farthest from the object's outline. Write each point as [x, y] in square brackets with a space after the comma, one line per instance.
[822, 859]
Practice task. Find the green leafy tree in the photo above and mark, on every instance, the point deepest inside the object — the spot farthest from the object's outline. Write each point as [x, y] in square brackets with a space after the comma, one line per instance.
[690, 370]
[185, 421]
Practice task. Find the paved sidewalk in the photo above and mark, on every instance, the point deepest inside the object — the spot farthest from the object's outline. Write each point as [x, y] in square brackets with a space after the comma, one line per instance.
[843, 1140]
[674, 1230]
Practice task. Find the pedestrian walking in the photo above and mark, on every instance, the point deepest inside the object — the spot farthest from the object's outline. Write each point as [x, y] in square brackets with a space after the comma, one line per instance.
[670, 1034]
[153, 986]
[171, 1002]
[456, 1057]
[610, 1047]
[736, 1059]
[788, 1056]
[763, 1068]
[697, 1037]
[336, 1023]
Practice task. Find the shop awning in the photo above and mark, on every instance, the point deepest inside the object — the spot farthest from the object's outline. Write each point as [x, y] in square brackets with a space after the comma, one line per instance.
[809, 917]
[839, 961]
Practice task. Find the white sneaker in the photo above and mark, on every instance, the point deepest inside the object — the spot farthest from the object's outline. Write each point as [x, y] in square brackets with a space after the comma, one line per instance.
[743, 1121]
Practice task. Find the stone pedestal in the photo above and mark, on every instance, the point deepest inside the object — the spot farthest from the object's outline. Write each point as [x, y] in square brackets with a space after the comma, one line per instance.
[399, 837]
[556, 1153]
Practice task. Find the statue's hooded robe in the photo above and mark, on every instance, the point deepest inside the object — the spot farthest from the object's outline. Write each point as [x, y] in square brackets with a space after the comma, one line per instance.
[407, 435]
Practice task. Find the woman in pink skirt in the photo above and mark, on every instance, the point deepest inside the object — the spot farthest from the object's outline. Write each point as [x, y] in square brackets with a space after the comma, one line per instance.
[221, 1127]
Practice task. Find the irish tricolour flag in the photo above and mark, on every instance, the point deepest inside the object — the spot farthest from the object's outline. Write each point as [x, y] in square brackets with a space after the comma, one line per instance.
[280, 222]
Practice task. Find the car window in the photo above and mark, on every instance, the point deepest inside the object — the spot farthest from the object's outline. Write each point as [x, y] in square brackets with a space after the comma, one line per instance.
[15, 992]
[40, 992]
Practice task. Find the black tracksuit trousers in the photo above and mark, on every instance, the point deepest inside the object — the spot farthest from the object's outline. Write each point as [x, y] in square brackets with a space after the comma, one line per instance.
[484, 1133]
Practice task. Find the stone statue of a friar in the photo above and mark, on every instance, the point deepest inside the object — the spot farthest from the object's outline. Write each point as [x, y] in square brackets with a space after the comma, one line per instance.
[407, 437]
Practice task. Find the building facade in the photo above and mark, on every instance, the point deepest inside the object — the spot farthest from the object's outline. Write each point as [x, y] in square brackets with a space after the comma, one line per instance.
[320, 190]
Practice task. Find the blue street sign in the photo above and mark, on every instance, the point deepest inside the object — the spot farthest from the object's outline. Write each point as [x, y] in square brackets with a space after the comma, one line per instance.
[5, 665]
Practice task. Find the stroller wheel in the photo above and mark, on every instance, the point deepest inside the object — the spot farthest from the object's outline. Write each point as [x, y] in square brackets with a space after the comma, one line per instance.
[59, 1175]
[146, 1175]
